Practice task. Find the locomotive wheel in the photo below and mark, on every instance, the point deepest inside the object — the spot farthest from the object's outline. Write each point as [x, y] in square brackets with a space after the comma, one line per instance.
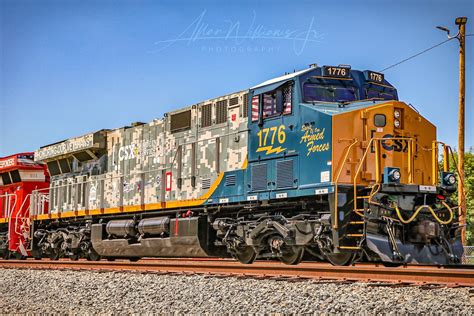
[340, 259]
[54, 254]
[292, 255]
[19, 256]
[6, 255]
[391, 264]
[74, 257]
[246, 255]
[93, 255]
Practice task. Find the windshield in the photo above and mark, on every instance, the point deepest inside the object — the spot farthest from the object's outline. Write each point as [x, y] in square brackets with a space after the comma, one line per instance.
[384, 95]
[315, 92]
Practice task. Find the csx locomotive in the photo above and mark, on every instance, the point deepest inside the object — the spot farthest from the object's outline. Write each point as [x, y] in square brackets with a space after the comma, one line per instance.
[323, 163]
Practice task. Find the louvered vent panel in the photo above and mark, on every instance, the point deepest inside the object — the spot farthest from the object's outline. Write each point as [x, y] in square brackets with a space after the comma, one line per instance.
[259, 177]
[246, 105]
[206, 183]
[206, 115]
[284, 171]
[230, 180]
[180, 121]
[221, 111]
[234, 101]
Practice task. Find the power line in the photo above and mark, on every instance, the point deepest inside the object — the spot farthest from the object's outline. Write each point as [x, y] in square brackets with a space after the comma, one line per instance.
[418, 54]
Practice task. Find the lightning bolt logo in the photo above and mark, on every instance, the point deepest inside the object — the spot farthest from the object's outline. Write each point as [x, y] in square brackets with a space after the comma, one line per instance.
[270, 150]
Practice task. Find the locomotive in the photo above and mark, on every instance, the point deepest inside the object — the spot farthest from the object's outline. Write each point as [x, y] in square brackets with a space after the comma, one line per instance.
[321, 164]
[20, 175]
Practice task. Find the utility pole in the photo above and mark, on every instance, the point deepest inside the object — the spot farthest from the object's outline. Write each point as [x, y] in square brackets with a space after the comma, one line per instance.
[461, 23]
[461, 37]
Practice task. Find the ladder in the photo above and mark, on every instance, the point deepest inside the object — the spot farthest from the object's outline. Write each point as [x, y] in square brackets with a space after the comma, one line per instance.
[354, 233]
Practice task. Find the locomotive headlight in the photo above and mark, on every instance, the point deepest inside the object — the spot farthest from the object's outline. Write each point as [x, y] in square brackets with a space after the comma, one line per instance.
[449, 178]
[391, 175]
[396, 114]
[395, 175]
[396, 123]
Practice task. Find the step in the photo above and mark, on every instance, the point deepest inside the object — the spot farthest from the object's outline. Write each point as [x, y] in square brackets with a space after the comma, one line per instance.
[357, 222]
[354, 235]
[350, 247]
[363, 197]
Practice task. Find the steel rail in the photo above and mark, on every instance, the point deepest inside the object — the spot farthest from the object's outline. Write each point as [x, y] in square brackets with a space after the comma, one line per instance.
[416, 275]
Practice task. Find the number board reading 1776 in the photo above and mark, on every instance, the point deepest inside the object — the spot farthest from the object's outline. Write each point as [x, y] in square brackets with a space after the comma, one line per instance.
[336, 71]
[374, 76]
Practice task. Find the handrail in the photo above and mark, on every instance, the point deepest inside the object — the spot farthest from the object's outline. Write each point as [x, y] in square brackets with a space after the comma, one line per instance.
[336, 199]
[10, 208]
[447, 151]
[19, 212]
[378, 171]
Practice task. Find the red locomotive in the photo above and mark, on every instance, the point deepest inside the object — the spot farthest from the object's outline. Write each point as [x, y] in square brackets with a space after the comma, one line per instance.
[19, 176]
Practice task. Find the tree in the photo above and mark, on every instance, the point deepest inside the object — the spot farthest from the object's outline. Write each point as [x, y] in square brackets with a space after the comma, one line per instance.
[469, 187]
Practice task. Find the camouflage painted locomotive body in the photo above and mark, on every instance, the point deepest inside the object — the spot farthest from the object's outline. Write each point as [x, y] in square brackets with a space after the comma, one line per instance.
[288, 167]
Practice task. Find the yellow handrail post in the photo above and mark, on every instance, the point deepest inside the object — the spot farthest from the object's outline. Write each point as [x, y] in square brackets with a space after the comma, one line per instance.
[336, 200]
[434, 157]
[445, 158]
[358, 171]
[378, 170]
[410, 161]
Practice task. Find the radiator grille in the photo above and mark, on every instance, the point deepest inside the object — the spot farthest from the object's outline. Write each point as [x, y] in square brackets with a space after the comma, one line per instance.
[206, 183]
[284, 171]
[206, 115]
[221, 111]
[259, 177]
[246, 105]
[234, 101]
[230, 180]
[181, 121]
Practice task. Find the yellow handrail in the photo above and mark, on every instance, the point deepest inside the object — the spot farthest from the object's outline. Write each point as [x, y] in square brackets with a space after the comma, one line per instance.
[336, 200]
[376, 144]
[378, 161]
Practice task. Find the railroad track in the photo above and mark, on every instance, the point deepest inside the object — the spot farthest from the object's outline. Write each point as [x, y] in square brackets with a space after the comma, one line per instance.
[405, 275]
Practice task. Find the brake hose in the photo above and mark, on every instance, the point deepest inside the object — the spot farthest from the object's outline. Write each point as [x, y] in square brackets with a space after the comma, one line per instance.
[406, 221]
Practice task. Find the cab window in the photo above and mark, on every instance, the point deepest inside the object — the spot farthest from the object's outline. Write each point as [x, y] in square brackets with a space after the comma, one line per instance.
[329, 93]
[269, 105]
[383, 95]
[272, 103]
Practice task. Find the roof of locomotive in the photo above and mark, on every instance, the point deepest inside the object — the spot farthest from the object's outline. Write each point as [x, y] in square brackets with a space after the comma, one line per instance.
[19, 161]
[282, 78]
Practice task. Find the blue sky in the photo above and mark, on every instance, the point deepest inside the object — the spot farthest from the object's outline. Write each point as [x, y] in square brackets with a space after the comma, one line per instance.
[71, 67]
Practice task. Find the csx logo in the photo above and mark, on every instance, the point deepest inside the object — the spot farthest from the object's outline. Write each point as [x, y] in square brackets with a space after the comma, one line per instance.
[128, 152]
[397, 145]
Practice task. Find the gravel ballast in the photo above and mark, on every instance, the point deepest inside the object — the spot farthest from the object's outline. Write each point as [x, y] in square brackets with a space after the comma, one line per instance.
[79, 292]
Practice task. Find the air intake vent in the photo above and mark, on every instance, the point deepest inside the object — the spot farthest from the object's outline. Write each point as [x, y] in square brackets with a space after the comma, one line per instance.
[284, 171]
[259, 177]
[246, 105]
[230, 180]
[206, 115]
[234, 101]
[206, 183]
[221, 111]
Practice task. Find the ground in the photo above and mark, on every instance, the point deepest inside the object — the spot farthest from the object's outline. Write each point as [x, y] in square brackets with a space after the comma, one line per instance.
[78, 292]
